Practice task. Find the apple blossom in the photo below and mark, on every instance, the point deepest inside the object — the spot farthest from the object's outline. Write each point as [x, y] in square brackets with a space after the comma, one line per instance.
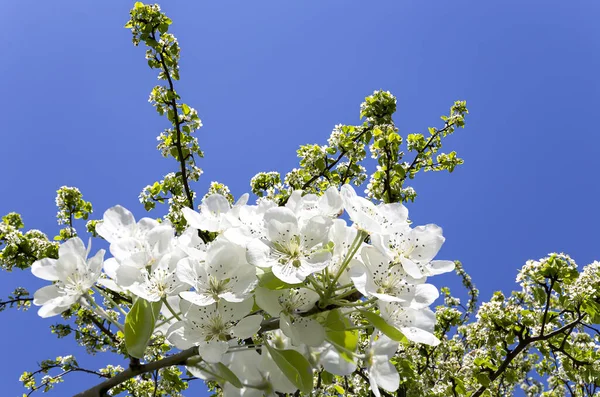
[73, 275]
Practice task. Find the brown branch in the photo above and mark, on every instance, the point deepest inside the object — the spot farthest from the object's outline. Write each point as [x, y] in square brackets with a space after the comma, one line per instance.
[43, 384]
[11, 301]
[417, 158]
[525, 342]
[176, 359]
[173, 104]
[337, 160]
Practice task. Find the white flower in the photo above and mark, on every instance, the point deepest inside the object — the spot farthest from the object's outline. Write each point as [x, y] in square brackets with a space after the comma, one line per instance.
[216, 214]
[288, 304]
[380, 278]
[383, 218]
[208, 327]
[252, 223]
[333, 362]
[118, 223]
[306, 206]
[157, 282]
[224, 274]
[417, 324]
[288, 301]
[342, 237]
[415, 250]
[290, 251]
[72, 273]
[190, 243]
[381, 371]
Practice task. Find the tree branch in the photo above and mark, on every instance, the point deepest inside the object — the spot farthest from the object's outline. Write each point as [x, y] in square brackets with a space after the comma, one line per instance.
[176, 359]
[12, 301]
[173, 104]
[520, 347]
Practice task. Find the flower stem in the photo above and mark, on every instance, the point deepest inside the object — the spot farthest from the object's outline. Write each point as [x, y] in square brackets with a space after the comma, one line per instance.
[354, 247]
[101, 312]
[108, 298]
[171, 309]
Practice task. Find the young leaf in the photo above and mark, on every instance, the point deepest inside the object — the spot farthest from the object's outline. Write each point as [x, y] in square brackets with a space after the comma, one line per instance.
[228, 375]
[344, 342]
[139, 325]
[379, 323]
[294, 366]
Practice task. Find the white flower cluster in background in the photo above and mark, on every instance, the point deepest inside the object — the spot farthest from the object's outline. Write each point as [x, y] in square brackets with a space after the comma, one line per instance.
[291, 284]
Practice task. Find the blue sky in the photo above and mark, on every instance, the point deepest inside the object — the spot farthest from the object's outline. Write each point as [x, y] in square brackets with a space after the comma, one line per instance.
[268, 76]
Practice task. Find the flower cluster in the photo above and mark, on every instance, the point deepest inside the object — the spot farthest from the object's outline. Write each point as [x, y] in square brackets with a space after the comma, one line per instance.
[291, 287]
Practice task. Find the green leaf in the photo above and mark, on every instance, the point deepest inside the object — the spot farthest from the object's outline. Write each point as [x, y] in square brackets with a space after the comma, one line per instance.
[345, 342]
[326, 377]
[459, 386]
[484, 379]
[335, 321]
[294, 366]
[139, 325]
[185, 108]
[379, 323]
[228, 375]
[340, 389]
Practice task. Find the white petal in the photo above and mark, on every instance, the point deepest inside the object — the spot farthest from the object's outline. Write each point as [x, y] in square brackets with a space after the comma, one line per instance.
[333, 362]
[126, 247]
[386, 376]
[144, 226]
[161, 239]
[247, 327]
[175, 335]
[73, 246]
[304, 330]
[216, 204]
[384, 346]
[68, 264]
[281, 214]
[281, 232]
[235, 311]
[46, 294]
[425, 295]
[45, 269]
[189, 271]
[117, 223]
[330, 203]
[95, 263]
[361, 280]
[316, 231]
[257, 254]
[110, 284]
[440, 267]
[212, 352]
[110, 267]
[128, 275]
[427, 241]
[193, 218]
[197, 299]
[241, 283]
[288, 273]
[411, 268]
[51, 310]
[420, 336]
[376, 262]
[268, 300]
